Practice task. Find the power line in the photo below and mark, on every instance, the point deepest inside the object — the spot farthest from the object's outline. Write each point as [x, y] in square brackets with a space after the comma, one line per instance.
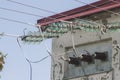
[115, 1]
[11, 35]
[39, 16]
[31, 69]
[64, 14]
[39, 60]
[21, 12]
[45, 10]
[60, 13]
[21, 22]
[30, 62]
[98, 7]
[55, 12]
[30, 65]
[43, 37]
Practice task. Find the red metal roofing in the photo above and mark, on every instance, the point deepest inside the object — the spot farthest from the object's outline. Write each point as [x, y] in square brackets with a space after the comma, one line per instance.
[80, 12]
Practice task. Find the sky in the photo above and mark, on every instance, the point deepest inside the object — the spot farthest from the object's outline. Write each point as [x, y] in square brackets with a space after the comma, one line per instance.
[16, 67]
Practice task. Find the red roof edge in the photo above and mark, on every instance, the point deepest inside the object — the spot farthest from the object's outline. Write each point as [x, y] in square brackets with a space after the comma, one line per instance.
[80, 11]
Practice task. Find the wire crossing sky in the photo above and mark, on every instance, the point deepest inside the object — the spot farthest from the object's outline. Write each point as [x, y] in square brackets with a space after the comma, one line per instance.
[16, 67]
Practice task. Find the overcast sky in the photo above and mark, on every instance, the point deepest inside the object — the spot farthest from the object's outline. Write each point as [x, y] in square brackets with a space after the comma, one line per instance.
[16, 67]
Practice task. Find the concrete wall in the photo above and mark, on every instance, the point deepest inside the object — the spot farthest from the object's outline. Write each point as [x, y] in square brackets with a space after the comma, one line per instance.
[92, 41]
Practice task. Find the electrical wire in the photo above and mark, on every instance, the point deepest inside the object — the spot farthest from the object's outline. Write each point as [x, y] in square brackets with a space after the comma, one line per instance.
[48, 51]
[59, 13]
[26, 57]
[3, 34]
[22, 13]
[73, 41]
[30, 62]
[18, 36]
[74, 49]
[12, 10]
[40, 30]
[64, 14]
[39, 60]
[35, 8]
[98, 7]
[49, 11]
[115, 1]
[51, 54]
[11, 35]
[31, 65]
[45, 10]
[24, 23]
[12, 20]
[31, 69]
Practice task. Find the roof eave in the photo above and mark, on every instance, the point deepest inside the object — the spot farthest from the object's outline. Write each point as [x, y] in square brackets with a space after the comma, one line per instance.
[92, 10]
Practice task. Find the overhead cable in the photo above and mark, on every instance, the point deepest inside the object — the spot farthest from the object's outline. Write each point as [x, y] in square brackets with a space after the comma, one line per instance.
[45, 10]
[64, 14]
[98, 7]
[26, 57]
[21, 12]
[11, 35]
[61, 13]
[21, 22]
[73, 41]
[29, 61]
[43, 37]
[115, 1]
[39, 60]
[31, 69]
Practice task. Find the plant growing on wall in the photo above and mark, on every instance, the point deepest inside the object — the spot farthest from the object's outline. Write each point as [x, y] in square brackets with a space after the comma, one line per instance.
[2, 56]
